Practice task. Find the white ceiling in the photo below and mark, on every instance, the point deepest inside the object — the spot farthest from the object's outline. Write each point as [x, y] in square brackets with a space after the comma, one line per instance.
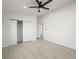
[16, 6]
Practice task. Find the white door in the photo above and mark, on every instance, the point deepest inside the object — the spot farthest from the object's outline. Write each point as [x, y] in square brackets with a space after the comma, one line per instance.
[13, 32]
[27, 31]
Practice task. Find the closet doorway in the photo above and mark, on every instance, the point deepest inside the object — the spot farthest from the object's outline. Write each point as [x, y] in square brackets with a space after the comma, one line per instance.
[19, 31]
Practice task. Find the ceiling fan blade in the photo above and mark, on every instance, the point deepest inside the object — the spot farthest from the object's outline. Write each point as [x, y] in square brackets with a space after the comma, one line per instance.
[38, 2]
[33, 7]
[45, 8]
[46, 2]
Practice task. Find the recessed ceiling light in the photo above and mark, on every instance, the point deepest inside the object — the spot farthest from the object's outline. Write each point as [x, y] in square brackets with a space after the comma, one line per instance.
[24, 6]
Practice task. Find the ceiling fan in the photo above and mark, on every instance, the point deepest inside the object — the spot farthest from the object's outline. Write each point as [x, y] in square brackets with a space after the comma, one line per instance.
[41, 5]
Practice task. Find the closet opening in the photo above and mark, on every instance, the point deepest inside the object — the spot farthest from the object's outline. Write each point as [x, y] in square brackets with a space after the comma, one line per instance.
[19, 31]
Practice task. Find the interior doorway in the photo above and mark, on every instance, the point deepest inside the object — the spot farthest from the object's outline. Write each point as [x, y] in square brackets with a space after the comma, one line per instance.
[40, 31]
[19, 31]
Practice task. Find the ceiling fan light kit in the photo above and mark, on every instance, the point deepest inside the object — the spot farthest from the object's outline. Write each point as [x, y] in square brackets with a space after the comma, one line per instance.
[40, 5]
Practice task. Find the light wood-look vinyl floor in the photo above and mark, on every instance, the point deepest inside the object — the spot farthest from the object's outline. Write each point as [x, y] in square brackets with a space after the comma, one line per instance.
[39, 49]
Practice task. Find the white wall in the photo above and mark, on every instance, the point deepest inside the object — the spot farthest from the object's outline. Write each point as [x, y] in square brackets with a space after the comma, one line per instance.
[59, 26]
[6, 25]
[27, 31]
[13, 32]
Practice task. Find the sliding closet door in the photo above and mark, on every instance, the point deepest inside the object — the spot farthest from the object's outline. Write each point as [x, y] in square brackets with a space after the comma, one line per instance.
[13, 32]
[27, 31]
